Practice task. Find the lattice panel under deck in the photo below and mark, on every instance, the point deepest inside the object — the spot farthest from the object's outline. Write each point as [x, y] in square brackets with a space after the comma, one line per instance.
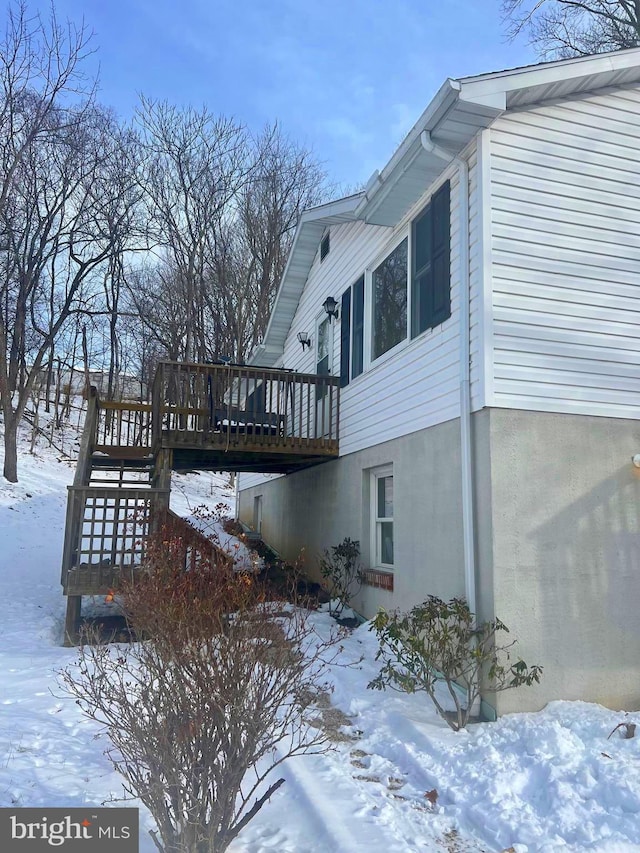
[107, 535]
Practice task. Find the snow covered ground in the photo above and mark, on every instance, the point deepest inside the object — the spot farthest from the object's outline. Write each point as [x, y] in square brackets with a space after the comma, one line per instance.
[396, 780]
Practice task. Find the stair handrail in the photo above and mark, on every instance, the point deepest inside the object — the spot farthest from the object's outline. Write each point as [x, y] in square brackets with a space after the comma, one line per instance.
[157, 398]
[88, 440]
[177, 525]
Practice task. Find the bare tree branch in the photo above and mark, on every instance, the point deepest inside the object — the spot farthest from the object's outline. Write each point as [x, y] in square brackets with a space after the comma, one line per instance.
[563, 28]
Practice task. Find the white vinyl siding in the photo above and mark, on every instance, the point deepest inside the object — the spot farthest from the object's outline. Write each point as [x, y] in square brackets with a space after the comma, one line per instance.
[417, 384]
[414, 386]
[565, 225]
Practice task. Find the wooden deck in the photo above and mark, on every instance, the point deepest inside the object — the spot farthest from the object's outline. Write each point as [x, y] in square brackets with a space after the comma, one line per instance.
[232, 418]
[225, 418]
[215, 417]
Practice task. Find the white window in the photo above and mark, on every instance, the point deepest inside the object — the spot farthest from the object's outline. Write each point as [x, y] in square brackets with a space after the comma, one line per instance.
[382, 517]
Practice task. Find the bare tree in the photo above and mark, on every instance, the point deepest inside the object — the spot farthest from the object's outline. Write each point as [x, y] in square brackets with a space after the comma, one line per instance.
[194, 166]
[220, 208]
[43, 93]
[212, 291]
[65, 218]
[224, 225]
[130, 237]
[202, 713]
[563, 28]
[154, 321]
[41, 68]
[249, 250]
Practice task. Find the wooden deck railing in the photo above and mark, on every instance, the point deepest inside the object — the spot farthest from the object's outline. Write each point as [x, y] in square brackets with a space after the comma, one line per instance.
[224, 406]
[122, 424]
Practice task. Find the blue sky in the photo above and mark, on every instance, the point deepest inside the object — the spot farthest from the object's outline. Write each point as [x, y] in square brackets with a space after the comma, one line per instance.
[346, 78]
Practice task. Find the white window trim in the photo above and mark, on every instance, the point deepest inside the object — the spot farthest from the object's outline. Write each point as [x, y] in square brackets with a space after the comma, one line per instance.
[376, 474]
[401, 231]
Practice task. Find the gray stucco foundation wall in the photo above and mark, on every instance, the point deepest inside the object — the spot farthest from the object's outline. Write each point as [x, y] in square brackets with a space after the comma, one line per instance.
[557, 503]
[565, 549]
[319, 507]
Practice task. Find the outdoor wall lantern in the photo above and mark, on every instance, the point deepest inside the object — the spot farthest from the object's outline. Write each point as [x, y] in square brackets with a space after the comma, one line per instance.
[304, 339]
[331, 307]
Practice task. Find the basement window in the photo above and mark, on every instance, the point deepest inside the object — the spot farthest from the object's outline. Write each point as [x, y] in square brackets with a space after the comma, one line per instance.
[382, 517]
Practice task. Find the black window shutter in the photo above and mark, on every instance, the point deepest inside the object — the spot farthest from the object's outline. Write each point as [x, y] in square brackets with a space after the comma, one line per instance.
[421, 295]
[423, 308]
[324, 247]
[440, 308]
[345, 335]
[357, 357]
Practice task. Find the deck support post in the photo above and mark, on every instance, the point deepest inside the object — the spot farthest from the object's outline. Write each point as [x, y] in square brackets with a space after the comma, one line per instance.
[161, 479]
[72, 620]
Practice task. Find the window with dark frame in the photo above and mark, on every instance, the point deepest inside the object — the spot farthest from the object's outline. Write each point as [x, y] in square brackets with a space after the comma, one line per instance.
[430, 282]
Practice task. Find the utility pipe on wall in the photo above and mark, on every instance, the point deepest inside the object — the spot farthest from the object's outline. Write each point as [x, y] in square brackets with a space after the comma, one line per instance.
[466, 453]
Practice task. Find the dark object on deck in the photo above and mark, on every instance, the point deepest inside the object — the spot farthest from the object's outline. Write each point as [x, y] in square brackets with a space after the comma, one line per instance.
[213, 417]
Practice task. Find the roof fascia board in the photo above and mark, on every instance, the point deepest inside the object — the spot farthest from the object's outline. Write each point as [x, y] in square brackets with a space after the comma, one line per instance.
[473, 88]
[409, 149]
[487, 90]
[262, 349]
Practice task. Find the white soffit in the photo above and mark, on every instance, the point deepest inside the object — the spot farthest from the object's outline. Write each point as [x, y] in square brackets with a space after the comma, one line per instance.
[553, 80]
[463, 107]
[405, 178]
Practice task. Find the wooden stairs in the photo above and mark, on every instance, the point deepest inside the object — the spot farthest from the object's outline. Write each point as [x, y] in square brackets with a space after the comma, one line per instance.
[203, 417]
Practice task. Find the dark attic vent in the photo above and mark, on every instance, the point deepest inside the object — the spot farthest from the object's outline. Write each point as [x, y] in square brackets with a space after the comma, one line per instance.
[324, 247]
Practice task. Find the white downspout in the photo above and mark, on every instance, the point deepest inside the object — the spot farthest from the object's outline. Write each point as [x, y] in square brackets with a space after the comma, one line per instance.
[236, 515]
[468, 517]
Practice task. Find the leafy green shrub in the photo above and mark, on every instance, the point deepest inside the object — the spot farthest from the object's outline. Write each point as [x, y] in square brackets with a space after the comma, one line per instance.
[439, 641]
[341, 571]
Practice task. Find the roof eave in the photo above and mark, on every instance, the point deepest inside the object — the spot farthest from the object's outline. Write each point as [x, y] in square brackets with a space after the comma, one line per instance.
[529, 84]
[380, 182]
[311, 225]
[470, 103]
